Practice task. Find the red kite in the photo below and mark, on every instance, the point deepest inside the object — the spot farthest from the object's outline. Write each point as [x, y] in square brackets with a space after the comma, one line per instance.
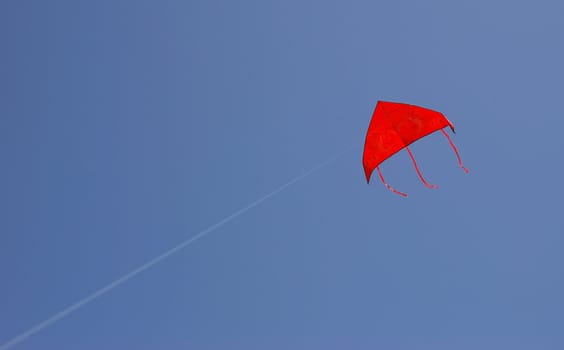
[395, 126]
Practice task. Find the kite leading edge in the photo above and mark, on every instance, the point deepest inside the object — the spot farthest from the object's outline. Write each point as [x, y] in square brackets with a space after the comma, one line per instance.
[393, 127]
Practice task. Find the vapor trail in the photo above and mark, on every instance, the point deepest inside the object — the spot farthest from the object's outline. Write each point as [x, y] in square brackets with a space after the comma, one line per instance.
[79, 304]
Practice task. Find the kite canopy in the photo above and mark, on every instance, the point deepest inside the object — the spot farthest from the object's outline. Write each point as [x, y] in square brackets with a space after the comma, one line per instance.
[395, 126]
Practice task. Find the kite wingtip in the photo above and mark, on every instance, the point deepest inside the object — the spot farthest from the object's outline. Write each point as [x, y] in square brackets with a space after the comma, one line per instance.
[367, 174]
[450, 124]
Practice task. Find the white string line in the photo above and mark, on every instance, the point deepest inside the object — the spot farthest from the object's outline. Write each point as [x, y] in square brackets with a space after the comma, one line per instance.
[79, 304]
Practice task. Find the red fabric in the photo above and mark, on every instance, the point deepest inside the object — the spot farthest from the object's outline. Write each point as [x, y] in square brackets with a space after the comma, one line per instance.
[395, 126]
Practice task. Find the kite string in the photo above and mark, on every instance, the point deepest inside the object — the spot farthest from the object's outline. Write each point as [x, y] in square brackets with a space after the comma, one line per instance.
[119, 281]
[428, 185]
[387, 185]
[455, 151]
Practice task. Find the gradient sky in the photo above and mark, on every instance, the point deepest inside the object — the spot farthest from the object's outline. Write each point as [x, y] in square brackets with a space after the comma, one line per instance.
[127, 127]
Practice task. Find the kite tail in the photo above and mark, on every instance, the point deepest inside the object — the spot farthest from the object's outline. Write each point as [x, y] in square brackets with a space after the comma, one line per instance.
[428, 185]
[455, 151]
[388, 186]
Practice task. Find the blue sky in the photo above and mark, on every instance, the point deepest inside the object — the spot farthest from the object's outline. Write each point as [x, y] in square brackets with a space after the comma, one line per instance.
[126, 127]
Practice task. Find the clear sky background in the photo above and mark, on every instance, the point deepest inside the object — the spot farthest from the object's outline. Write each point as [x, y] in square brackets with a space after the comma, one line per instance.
[127, 127]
